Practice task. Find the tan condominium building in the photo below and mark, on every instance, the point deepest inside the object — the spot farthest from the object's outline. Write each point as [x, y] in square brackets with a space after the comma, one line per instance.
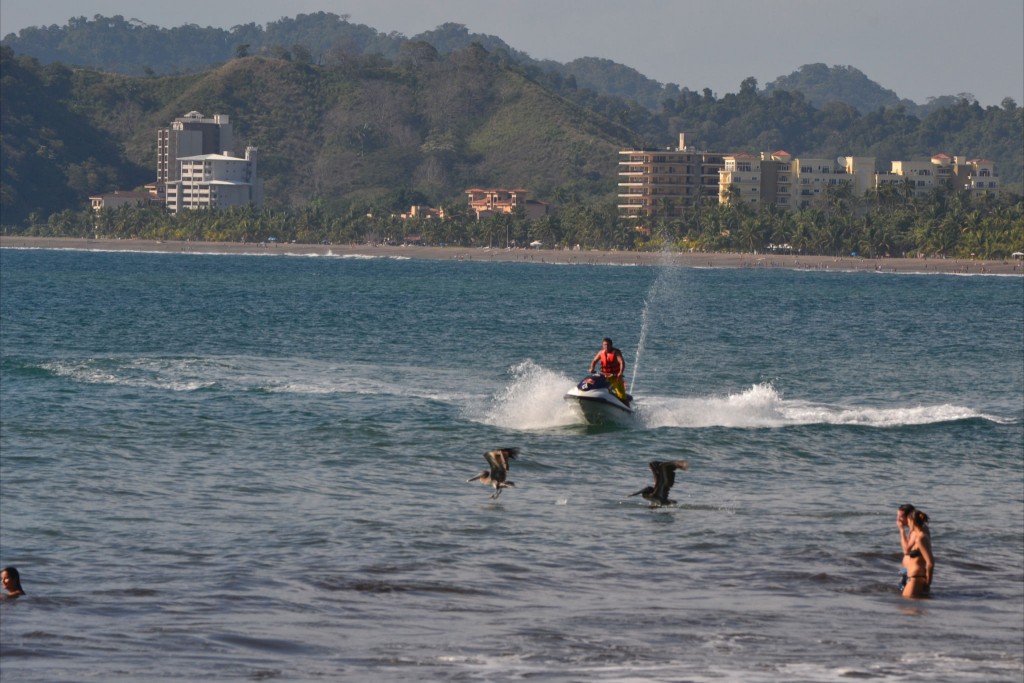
[919, 178]
[813, 178]
[189, 135]
[215, 181]
[757, 179]
[666, 181]
[976, 175]
[778, 179]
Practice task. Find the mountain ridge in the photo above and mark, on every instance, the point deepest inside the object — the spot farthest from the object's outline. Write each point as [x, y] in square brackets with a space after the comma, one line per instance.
[349, 128]
[133, 48]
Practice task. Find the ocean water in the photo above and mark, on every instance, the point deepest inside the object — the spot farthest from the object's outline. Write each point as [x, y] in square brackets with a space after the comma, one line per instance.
[253, 468]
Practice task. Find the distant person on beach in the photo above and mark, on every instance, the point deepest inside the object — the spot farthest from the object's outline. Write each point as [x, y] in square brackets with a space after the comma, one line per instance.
[613, 366]
[11, 581]
[916, 541]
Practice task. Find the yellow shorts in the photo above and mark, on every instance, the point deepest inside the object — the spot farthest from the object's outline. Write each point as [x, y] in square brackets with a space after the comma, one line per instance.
[618, 386]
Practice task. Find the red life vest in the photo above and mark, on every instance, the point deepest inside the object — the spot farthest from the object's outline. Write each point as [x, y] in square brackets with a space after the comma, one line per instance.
[610, 364]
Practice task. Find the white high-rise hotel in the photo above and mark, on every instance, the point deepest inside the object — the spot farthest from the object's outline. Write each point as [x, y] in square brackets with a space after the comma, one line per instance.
[196, 170]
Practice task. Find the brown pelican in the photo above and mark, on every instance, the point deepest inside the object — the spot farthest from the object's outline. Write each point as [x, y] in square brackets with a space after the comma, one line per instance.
[498, 460]
[664, 477]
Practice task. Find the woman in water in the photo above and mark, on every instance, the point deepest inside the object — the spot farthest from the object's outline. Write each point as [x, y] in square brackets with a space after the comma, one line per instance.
[916, 540]
[11, 581]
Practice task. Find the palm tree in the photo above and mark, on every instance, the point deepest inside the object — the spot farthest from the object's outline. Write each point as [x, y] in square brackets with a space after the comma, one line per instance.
[750, 234]
[803, 232]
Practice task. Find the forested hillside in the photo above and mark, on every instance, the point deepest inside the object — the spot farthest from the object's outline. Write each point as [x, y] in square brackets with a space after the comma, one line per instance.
[819, 84]
[130, 47]
[365, 130]
[359, 131]
[353, 126]
[52, 154]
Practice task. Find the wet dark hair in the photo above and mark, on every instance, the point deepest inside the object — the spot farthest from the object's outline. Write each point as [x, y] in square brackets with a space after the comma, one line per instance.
[920, 518]
[907, 508]
[609, 340]
[15, 577]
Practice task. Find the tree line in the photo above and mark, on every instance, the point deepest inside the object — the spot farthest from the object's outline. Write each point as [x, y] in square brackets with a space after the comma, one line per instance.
[818, 111]
[886, 223]
[358, 129]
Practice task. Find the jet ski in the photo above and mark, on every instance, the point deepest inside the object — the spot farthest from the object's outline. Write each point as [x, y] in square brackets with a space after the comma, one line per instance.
[593, 400]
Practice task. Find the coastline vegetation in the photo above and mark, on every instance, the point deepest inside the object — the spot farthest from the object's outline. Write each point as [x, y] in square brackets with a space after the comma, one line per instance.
[950, 224]
[350, 138]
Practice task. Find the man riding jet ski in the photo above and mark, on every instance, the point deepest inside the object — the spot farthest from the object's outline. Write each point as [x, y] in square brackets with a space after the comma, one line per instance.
[613, 367]
[602, 398]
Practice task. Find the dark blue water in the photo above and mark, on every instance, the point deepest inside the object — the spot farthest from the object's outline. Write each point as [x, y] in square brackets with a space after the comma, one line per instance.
[253, 468]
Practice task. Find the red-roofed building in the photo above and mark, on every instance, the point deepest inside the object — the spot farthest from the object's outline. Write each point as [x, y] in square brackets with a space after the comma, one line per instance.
[487, 202]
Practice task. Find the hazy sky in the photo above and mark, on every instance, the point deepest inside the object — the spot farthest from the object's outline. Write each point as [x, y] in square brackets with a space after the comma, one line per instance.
[917, 48]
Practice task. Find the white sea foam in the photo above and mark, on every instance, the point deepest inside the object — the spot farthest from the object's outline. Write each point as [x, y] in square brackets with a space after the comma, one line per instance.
[274, 376]
[172, 375]
[761, 406]
[372, 257]
[532, 400]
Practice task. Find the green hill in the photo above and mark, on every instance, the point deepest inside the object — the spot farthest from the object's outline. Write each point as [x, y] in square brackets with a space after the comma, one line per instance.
[131, 47]
[821, 84]
[52, 153]
[355, 130]
[350, 130]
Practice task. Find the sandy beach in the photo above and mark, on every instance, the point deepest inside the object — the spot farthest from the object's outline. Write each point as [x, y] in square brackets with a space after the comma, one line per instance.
[693, 260]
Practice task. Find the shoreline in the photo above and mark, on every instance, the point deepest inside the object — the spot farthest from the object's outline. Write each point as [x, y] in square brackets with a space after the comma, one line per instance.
[555, 256]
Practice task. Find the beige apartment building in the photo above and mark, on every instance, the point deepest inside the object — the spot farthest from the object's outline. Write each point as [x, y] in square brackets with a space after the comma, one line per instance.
[757, 179]
[976, 175]
[740, 179]
[668, 180]
[778, 179]
[919, 176]
[813, 178]
[922, 176]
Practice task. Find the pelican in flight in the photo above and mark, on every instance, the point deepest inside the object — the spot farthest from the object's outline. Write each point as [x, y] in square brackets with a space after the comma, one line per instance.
[498, 460]
[664, 477]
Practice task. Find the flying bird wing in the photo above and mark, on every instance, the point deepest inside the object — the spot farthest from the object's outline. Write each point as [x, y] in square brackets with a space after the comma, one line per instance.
[660, 486]
[665, 476]
[498, 460]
